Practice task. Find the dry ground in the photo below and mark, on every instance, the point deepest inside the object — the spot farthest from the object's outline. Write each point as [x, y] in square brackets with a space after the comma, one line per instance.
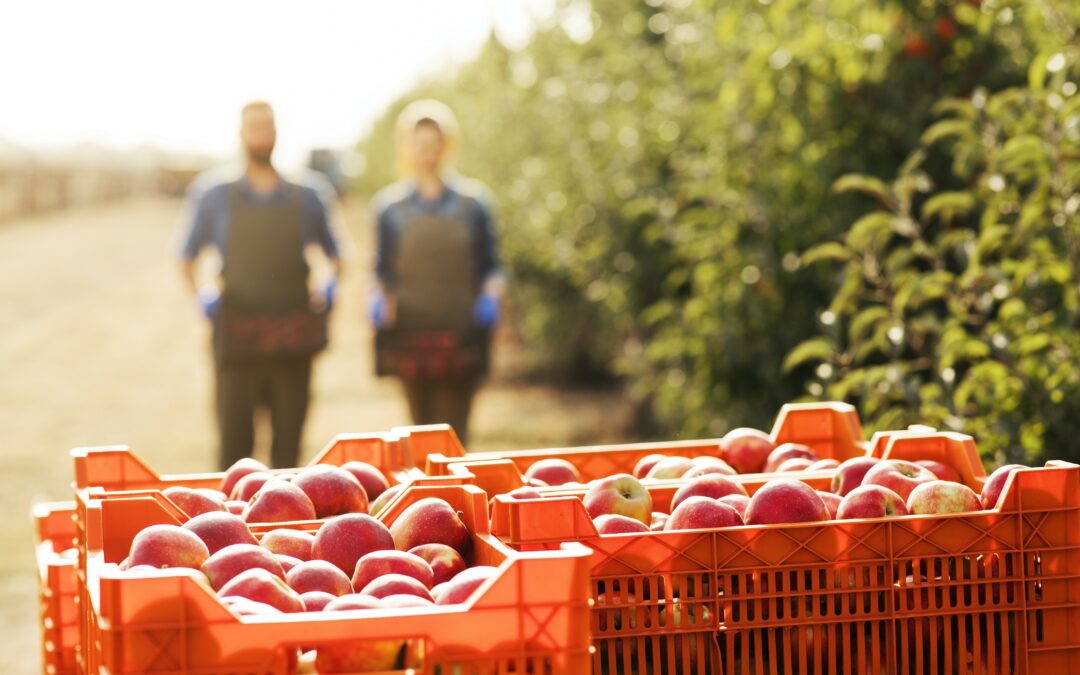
[99, 344]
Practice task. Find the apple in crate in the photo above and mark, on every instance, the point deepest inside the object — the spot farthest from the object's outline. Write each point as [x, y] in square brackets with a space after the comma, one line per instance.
[823, 464]
[871, 501]
[219, 529]
[712, 485]
[832, 501]
[279, 501]
[378, 563]
[316, 601]
[385, 498]
[430, 521]
[554, 471]
[695, 513]
[195, 502]
[287, 562]
[641, 469]
[524, 492]
[261, 586]
[344, 539]
[462, 586]
[332, 490]
[942, 496]
[402, 600]
[237, 558]
[621, 494]
[284, 541]
[395, 584]
[787, 451]
[785, 500]
[318, 575]
[849, 475]
[738, 501]
[445, 562]
[612, 523]
[941, 470]
[794, 464]
[898, 475]
[991, 491]
[238, 470]
[370, 477]
[248, 485]
[352, 601]
[166, 546]
[658, 520]
[671, 467]
[746, 449]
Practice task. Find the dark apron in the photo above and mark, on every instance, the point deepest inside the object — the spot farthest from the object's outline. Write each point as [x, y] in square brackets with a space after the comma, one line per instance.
[436, 286]
[265, 308]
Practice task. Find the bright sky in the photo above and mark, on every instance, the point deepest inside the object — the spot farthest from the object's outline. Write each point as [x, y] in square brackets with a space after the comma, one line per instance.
[174, 74]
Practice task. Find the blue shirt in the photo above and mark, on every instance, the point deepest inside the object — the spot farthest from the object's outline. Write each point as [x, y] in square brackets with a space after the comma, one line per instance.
[389, 203]
[209, 225]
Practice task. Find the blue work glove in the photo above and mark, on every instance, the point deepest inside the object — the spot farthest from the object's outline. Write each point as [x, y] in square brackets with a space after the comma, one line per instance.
[209, 301]
[486, 310]
[379, 311]
[329, 292]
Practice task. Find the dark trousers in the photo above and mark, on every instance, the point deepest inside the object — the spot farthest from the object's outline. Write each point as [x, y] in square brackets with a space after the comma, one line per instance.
[283, 387]
[439, 400]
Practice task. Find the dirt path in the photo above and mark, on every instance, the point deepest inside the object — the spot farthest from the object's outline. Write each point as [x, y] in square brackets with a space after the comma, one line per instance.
[100, 344]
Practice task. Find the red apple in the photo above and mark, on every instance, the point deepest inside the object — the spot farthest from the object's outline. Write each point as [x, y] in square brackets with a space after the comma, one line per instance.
[746, 449]
[832, 501]
[296, 543]
[697, 513]
[713, 485]
[706, 464]
[739, 502]
[670, 467]
[235, 507]
[554, 471]
[352, 601]
[379, 563]
[942, 496]
[318, 575]
[194, 502]
[524, 492]
[287, 562]
[244, 607]
[898, 475]
[445, 562]
[261, 586]
[621, 494]
[611, 523]
[332, 490]
[316, 601]
[218, 529]
[849, 475]
[787, 451]
[794, 464]
[385, 498]
[941, 470]
[238, 470]
[279, 501]
[871, 501]
[646, 463]
[402, 600]
[165, 546]
[236, 558]
[344, 539]
[430, 521]
[462, 586]
[785, 500]
[370, 477]
[248, 485]
[395, 584]
[995, 483]
[823, 464]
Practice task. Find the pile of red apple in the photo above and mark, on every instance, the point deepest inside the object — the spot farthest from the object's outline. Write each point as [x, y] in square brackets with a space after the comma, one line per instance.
[862, 487]
[353, 561]
[250, 490]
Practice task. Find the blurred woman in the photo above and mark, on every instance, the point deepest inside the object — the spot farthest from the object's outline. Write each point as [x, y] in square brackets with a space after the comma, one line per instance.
[439, 283]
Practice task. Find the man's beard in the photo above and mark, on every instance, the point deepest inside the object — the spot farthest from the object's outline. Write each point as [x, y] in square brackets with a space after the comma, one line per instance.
[260, 155]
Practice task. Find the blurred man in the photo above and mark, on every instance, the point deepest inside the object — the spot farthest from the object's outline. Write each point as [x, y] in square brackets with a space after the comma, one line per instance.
[267, 324]
[439, 281]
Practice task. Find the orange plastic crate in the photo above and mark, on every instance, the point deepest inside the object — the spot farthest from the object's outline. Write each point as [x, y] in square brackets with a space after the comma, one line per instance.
[832, 429]
[54, 530]
[988, 592]
[533, 618]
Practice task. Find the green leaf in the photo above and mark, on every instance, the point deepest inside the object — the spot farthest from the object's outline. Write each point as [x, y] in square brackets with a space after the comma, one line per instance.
[829, 250]
[948, 205]
[948, 128]
[855, 182]
[865, 321]
[955, 106]
[868, 230]
[1037, 71]
[814, 349]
